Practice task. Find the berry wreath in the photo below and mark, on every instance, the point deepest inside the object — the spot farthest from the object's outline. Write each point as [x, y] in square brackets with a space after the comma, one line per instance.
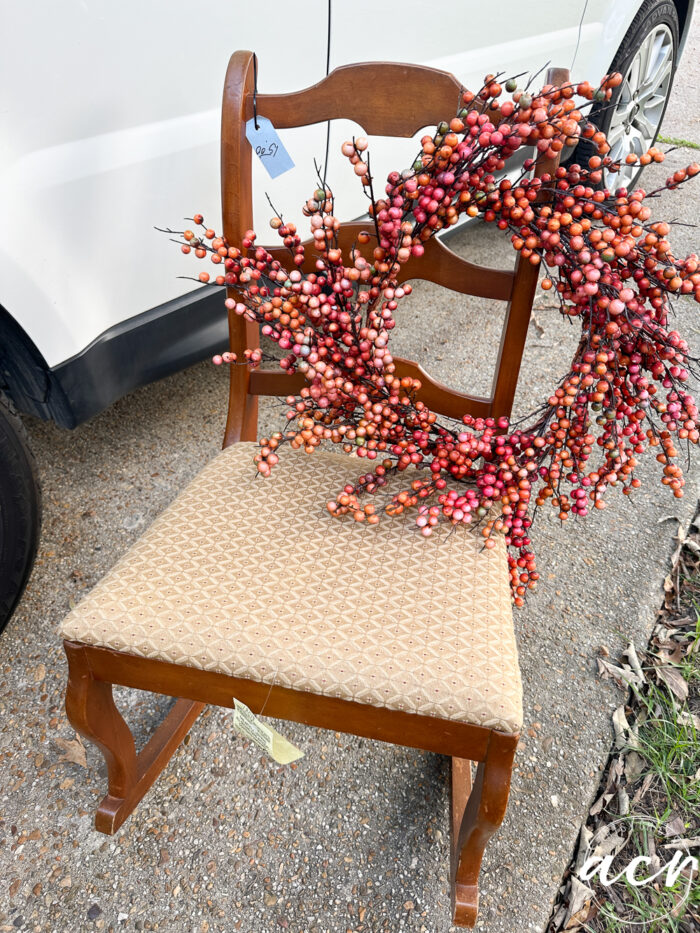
[610, 265]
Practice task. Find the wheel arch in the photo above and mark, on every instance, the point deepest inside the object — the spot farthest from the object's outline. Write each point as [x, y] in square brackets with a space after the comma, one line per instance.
[26, 378]
[684, 9]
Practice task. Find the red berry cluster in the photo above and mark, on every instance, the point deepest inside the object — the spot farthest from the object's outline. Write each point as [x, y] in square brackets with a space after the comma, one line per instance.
[611, 267]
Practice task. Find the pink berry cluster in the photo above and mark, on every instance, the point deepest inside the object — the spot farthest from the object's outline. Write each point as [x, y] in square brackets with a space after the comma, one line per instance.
[331, 314]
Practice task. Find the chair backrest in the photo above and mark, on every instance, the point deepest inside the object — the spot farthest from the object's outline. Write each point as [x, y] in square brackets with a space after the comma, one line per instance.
[366, 94]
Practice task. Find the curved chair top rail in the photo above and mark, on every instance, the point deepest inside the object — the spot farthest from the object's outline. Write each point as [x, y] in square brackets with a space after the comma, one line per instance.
[404, 98]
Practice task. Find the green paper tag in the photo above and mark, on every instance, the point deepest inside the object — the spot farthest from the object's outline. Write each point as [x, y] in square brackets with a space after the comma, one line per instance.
[265, 737]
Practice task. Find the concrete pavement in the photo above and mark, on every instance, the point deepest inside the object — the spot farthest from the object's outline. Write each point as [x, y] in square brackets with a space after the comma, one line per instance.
[356, 837]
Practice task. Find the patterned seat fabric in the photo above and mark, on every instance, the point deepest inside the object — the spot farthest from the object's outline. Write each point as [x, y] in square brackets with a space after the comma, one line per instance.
[252, 577]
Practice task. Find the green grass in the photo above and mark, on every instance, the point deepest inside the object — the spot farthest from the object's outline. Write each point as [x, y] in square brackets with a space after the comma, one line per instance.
[653, 908]
[674, 141]
[670, 744]
[659, 913]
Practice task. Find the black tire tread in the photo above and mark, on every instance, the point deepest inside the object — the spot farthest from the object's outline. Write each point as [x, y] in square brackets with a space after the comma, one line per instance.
[654, 10]
[20, 509]
[629, 43]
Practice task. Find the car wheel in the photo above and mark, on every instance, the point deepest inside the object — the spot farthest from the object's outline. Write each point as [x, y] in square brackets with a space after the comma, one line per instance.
[20, 510]
[632, 118]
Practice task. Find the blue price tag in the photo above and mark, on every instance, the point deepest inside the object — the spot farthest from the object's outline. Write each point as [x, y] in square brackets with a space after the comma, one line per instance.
[268, 147]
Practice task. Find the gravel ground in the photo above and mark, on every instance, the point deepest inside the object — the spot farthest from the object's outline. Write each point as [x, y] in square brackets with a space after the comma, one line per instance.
[354, 837]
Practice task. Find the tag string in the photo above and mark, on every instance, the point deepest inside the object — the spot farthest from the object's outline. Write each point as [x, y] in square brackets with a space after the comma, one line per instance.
[255, 91]
[578, 37]
[328, 65]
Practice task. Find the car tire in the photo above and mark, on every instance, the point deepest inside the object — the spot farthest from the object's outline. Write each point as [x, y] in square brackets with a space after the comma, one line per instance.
[631, 119]
[20, 510]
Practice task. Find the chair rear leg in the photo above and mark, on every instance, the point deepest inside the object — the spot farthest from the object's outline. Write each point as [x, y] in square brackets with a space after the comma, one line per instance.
[476, 816]
[91, 711]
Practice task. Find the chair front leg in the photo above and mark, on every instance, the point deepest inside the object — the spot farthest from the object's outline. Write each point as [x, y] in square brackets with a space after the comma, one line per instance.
[91, 711]
[474, 823]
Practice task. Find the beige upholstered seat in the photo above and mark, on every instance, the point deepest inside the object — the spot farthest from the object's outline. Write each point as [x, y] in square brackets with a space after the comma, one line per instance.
[252, 577]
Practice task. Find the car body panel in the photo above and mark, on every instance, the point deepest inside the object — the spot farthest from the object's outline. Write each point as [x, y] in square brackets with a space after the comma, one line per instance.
[111, 119]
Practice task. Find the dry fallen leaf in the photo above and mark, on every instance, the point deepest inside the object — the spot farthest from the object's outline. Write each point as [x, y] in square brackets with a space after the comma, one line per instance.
[600, 803]
[580, 899]
[678, 623]
[73, 750]
[623, 801]
[673, 679]
[635, 766]
[641, 791]
[584, 839]
[675, 826]
[630, 653]
[674, 656]
[623, 731]
[623, 675]
[689, 719]
[611, 842]
[559, 918]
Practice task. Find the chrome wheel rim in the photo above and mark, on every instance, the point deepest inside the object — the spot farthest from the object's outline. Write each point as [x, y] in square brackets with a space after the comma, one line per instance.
[640, 105]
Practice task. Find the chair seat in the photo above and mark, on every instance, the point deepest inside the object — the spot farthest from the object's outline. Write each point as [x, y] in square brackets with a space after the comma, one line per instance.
[253, 578]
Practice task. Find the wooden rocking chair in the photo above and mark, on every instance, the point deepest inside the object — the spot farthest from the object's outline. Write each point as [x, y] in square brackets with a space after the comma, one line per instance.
[202, 609]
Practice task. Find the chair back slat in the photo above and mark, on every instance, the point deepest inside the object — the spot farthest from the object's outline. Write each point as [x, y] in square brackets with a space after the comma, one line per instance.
[438, 397]
[384, 98]
[437, 264]
[440, 265]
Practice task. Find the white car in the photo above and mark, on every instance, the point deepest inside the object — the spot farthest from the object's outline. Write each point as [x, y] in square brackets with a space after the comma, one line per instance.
[110, 116]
